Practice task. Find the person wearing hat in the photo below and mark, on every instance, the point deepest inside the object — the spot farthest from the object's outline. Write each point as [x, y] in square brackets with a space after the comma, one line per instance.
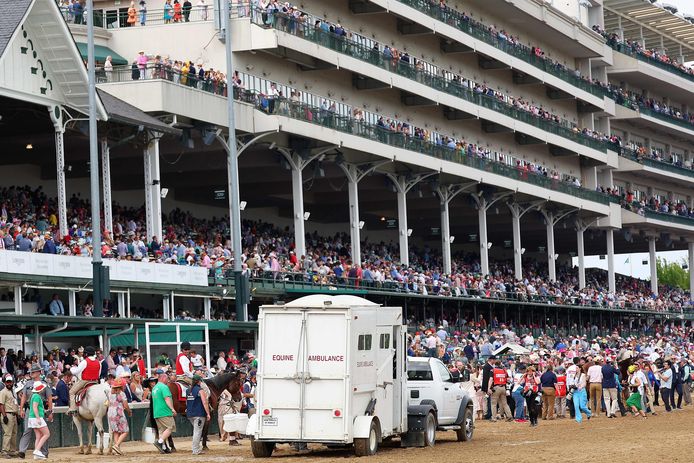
[47, 409]
[163, 410]
[636, 386]
[117, 408]
[197, 411]
[36, 419]
[184, 367]
[87, 372]
[9, 409]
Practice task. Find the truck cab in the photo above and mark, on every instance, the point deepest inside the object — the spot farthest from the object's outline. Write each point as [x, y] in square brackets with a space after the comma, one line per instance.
[429, 383]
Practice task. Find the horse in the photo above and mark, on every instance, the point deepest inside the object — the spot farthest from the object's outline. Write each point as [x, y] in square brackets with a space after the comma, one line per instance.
[92, 409]
[224, 381]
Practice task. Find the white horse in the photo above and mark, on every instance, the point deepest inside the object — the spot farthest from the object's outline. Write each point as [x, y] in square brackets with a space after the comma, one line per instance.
[92, 409]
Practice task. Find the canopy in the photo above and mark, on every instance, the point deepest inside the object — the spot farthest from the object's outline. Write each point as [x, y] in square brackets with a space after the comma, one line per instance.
[515, 349]
[100, 53]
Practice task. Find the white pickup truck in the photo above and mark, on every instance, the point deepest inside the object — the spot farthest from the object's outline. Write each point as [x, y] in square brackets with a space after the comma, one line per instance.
[437, 401]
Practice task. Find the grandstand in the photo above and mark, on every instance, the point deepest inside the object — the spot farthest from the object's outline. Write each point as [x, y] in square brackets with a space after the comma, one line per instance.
[432, 154]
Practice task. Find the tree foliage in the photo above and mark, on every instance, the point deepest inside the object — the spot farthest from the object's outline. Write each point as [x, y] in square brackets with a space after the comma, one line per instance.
[672, 273]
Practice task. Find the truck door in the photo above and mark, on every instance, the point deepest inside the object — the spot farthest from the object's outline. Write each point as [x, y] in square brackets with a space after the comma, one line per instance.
[325, 393]
[450, 390]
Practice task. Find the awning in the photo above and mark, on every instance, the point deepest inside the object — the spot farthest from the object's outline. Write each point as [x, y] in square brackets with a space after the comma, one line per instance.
[100, 53]
[513, 349]
[120, 111]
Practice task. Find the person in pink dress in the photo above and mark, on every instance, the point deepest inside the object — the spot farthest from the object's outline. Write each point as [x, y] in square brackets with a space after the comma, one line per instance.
[117, 408]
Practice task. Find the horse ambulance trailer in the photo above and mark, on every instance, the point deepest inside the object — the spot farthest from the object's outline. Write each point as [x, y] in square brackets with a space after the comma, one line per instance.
[331, 370]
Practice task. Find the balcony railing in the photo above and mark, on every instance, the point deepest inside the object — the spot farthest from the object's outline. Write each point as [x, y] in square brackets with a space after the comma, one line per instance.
[673, 218]
[627, 50]
[371, 52]
[655, 163]
[481, 32]
[666, 117]
[339, 116]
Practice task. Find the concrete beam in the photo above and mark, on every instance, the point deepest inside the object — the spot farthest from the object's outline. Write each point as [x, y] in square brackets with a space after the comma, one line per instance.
[367, 83]
[412, 28]
[559, 151]
[409, 99]
[491, 127]
[491, 64]
[523, 139]
[364, 7]
[453, 114]
[449, 46]
[521, 78]
[556, 94]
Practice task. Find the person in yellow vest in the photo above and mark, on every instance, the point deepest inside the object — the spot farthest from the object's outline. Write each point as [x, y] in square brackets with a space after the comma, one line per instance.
[9, 409]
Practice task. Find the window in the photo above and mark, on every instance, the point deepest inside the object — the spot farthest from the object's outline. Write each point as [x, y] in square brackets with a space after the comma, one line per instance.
[364, 342]
[384, 341]
[419, 371]
[443, 372]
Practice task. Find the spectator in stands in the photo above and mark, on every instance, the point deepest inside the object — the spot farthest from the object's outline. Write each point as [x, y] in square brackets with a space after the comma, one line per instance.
[55, 307]
[62, 389]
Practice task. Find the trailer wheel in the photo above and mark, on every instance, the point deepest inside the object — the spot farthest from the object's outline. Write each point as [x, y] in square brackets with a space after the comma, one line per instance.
[262, 449]
[467, 427]
[368, 446]
[430, 431]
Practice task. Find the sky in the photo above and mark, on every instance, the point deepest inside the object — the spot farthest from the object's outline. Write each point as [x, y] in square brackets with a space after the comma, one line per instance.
[683, 6]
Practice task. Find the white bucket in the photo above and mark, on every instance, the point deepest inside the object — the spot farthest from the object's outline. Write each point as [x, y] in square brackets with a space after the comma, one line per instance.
[107, 439]
[235, 422]
[149, 436]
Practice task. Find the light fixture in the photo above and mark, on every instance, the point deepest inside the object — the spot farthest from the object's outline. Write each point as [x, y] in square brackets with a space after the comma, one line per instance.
[451, 239]
[29, 146]
[522, 251]
[242, 205]
[361, 224]
[409, 232]
[273, 145]
[164, 192]
[307, 215]
[489, 245]
[556, 256]
[383, 219]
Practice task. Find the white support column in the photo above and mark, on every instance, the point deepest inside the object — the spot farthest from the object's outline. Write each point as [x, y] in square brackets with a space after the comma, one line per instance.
[581, 250]
[353, 190]
[165, 303]
[122, 306]
[152, 190]
[403, 237]
[446, 236]
[652, 261]
[72, 303]
[484, 250]
[172, 306]
[106, 182]
[298, 202]
[60, 180]
[551, 264]
[691, 271]
[609, 234]
[18, 290]
[207, 308]
[517, 248]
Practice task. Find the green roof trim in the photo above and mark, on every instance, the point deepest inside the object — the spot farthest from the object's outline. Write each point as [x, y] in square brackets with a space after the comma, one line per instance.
[100, 53]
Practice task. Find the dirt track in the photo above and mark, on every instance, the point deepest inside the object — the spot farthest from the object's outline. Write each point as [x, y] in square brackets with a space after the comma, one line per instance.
[597, 440]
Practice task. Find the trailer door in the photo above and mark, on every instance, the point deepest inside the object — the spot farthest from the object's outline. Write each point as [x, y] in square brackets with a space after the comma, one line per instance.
[325, 388]
[280, 372]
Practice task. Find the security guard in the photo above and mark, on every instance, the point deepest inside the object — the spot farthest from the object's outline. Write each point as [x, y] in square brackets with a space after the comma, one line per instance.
[498, 387]
[9, 409]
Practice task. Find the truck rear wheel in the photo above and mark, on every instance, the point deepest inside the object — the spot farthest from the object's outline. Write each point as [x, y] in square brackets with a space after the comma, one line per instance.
[262, 449]
[368, 446]
[467, 427]
[430, 430]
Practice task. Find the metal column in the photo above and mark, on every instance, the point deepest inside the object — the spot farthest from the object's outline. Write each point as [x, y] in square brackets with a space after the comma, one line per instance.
[446, 237]
[581, 250]
[609, 235]
[517, 249]
[551, 264]
[18, 299]
[691, 271]
[106, 185]
[298, 202]
[484, 250]
[354, 223]
[152, 189]
[60, 179]
[72, 303]
[403, 237]
[652, 261]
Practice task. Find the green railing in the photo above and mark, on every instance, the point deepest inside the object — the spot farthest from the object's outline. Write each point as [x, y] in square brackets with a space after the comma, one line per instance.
[481, 32]
[665, 117]
[672, 218]
[371, 52]
[625, 49]
[298, 282]
[655, 163]
[341, 119]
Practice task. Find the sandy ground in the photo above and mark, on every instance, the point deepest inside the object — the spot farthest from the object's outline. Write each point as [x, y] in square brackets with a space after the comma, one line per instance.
[666, 437]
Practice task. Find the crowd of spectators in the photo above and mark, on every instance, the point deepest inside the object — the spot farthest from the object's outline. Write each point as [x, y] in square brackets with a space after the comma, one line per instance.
[28, 222]
[518, 373]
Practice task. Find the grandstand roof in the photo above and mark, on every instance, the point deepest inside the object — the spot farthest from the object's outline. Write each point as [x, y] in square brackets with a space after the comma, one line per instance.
[659, 27]
[120, 111]
[11, 19]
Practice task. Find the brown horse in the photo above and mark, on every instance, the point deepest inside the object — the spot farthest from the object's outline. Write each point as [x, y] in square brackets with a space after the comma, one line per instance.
[231, 382]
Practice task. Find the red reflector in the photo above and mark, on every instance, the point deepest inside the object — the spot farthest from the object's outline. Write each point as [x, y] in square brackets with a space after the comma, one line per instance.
[266, 412]
[337, 413]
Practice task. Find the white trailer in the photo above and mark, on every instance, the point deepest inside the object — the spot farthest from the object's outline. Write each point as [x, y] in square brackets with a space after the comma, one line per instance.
[332, 370]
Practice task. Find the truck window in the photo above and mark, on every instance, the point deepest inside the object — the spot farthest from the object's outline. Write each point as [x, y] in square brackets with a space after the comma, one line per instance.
[384, 342]
[364, 342]
[419, 371]
[443, 372]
